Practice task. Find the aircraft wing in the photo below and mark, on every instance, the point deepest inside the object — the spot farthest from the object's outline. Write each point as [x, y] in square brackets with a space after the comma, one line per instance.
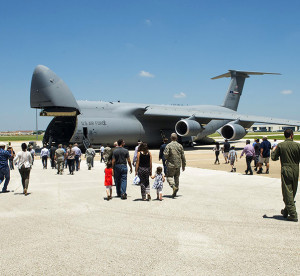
[267, 120]
[177, 112]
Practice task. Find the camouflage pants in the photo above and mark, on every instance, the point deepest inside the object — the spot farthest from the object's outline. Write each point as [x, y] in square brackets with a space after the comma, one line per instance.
[89, 160]
[289, 185]
[173, 178]
[60, 166]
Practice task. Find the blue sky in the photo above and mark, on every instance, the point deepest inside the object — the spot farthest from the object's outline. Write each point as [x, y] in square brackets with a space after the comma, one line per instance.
[160, 52]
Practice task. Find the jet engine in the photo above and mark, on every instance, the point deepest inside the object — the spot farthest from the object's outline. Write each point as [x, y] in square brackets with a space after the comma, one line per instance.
[233, 131]
[187, 127]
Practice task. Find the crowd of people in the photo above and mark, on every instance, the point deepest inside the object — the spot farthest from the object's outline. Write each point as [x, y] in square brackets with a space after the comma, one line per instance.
[258, 152]
[117, 160]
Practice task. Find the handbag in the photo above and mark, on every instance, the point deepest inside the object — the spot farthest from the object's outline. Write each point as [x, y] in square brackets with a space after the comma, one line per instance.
[136, 180]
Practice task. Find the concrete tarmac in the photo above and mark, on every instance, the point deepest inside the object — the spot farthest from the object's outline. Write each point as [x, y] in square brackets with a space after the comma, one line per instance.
[221, 223]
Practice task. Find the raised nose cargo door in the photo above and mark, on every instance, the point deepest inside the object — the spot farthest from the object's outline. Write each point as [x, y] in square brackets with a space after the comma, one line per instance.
[50, 93]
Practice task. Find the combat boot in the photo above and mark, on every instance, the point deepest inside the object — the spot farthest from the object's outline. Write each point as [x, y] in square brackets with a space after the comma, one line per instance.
[292, 219]
[284, 213]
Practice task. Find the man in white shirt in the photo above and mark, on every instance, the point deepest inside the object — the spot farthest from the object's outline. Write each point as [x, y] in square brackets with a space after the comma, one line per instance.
[101, 153]
[44, 154]
[77, 155]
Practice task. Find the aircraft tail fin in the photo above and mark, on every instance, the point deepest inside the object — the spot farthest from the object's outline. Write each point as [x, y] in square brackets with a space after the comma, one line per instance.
[236, 85]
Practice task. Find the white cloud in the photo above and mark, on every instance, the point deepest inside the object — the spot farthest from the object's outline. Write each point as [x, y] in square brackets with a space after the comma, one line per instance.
[286, 92]
[180, 95]
[148, 22]
[145, 74]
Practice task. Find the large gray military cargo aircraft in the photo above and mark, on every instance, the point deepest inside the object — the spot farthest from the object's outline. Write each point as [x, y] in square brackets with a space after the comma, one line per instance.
[86, 122]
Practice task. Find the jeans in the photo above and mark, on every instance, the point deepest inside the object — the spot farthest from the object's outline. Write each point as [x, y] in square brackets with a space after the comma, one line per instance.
[71, 165]
[248, 161]
[52, 163]
[77, 162]
[44, 161]
[5, 172]
[120, 173]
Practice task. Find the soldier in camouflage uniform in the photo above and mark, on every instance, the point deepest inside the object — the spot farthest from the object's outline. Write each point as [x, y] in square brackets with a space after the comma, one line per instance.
[174, 156]
[89, 155]
[60, 159]
[107, 154]
[289, 153]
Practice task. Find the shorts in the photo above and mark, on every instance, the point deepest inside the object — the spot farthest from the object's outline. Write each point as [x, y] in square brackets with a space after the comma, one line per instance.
[263, 160]
[159, 190]
[225, 154]
[108, 187]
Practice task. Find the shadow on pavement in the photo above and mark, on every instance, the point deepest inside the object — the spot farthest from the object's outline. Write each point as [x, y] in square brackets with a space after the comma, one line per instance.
[274, 217]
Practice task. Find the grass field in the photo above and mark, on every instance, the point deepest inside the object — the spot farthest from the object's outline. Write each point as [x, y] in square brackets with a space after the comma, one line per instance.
[20, 138]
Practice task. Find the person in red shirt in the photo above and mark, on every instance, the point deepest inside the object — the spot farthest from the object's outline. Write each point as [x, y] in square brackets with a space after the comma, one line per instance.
[109, 172]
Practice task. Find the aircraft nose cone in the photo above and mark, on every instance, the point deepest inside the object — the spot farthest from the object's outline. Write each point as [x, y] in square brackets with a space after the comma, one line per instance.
[42, 77]
[40, 69]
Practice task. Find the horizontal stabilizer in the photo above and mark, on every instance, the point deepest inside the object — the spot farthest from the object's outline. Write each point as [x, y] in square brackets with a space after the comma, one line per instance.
[245, 73]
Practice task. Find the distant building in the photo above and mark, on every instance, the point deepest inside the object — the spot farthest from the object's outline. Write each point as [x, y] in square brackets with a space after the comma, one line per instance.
[16, 133]
[271, 128]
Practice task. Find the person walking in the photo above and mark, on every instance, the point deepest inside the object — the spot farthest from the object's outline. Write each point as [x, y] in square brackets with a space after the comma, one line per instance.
[101, 153]
[71, 159]
[289, 154]
[159, 180]
[60, 159]
[250, 155]
[232, 157]
[143, 169]
[136, 153]
[256, 146]
[77, 151]
[4, 169]
[109, 172]
[89, 155]
[11, 159]
[24, 163]
[107, 153]
[175, 158]
[44, 155]
[217, 149]
[32, 152]
[225, 150]
[119, 163]
[52, 156]
[264, 157]
[162, 156]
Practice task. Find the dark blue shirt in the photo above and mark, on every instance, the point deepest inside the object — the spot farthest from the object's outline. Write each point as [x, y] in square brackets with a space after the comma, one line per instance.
[266, 146]
[161, 151]
[4, 156]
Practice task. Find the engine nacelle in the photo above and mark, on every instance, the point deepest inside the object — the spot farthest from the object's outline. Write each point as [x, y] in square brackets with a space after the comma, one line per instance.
[187, 127]
[233, 131]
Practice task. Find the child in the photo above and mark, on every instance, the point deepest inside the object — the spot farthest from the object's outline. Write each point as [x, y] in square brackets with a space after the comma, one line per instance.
[158, 182]
[232, 156]
[109, 172]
